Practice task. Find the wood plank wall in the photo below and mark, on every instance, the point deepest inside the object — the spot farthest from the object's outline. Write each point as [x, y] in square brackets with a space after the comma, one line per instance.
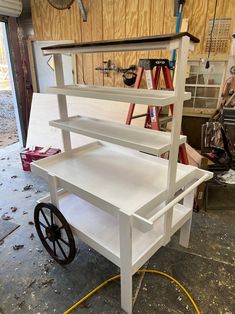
[109, 19]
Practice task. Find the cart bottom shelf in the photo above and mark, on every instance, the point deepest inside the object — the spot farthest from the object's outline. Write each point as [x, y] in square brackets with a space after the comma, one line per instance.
[100, 230]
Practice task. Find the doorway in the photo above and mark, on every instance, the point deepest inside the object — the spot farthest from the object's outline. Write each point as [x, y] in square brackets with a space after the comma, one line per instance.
[9, 117]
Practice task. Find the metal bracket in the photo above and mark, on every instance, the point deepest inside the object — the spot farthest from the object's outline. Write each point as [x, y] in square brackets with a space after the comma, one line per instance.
[150, 64]
[83, 10]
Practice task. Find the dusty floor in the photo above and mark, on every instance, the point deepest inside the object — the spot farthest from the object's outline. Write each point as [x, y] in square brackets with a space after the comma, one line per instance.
[8, 131]
[30, 282]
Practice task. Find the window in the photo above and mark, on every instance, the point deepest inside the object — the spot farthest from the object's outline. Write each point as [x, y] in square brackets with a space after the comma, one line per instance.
[204, 85]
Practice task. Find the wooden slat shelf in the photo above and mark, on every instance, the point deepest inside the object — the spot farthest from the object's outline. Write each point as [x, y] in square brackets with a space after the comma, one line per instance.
[149, 141]
[129, 95]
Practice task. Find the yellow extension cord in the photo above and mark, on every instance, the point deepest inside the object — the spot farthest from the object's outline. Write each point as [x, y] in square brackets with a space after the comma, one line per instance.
[139, 271]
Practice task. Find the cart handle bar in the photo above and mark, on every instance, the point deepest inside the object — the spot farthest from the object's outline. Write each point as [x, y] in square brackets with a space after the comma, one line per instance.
[173, 202]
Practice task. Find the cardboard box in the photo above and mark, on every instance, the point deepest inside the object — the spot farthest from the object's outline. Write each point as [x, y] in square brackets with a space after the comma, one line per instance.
[31, 154]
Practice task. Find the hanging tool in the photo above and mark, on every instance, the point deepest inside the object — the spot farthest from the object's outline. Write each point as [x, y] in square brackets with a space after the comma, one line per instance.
[177, 29]
[152, 117]
[129, 78]
[108, 66]
[211, 36]
[82, 10]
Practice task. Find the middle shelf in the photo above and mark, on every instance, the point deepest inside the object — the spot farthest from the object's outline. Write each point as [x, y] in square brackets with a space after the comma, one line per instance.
[146, 140]
[129, 95]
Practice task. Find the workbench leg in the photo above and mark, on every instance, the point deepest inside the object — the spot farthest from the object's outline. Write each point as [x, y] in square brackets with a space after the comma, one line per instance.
[186, 228]
[126, 262]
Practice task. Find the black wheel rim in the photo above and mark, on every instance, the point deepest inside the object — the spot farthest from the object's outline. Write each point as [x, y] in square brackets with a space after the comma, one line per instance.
[54, 233]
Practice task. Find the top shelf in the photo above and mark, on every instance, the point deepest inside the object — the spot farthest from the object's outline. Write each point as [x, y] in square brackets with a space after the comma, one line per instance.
[168, 41]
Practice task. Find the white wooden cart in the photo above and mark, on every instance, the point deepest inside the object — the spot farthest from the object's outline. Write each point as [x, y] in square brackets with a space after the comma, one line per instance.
[119, 199]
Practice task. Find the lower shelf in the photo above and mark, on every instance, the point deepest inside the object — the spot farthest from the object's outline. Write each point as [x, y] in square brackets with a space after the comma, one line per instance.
[100, 230]
[145, 140]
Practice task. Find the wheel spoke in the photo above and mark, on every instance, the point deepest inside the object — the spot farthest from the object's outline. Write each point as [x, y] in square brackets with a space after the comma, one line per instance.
[44, 216]
[42, 224]
[52, 220]
[54, 232]
[54, 248]
[61, 249]
[64, 241]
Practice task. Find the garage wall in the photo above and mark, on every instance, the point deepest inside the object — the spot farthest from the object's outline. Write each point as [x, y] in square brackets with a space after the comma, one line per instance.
[109, 19]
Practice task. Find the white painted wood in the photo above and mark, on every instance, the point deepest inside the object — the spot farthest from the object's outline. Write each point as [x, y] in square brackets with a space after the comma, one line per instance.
[180, 74]
[114, 175]
[141, 223]
[44, 108]
[185, 229]
[179, 198]
[54, 197]
[128, 95]
[185, 233]
[142, 139]
[167, 45]
[63, 110]
[149, 251]
[149, 209]
[125, 234]
[52, 184]
[102, 231]
[122, 202]
[181, 214]
[147, 224]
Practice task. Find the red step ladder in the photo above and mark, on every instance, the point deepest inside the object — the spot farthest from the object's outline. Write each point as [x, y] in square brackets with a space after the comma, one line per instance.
[152, 119]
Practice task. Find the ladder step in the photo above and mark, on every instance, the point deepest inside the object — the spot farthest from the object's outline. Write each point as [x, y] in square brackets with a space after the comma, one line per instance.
[165, 119]
[139, 116]
[154, 120]
[161, 120]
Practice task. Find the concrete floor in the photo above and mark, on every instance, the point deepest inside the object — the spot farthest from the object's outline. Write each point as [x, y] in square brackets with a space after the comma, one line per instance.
[8, 129]
[30, 282]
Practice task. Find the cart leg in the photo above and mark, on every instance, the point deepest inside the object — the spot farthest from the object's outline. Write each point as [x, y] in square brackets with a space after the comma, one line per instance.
[185, 233]
[62, 102]
[186, 228]
[52, 181]
[126, 262]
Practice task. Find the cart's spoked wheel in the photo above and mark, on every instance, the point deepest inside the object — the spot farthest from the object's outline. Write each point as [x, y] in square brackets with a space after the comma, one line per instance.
[55, 233]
